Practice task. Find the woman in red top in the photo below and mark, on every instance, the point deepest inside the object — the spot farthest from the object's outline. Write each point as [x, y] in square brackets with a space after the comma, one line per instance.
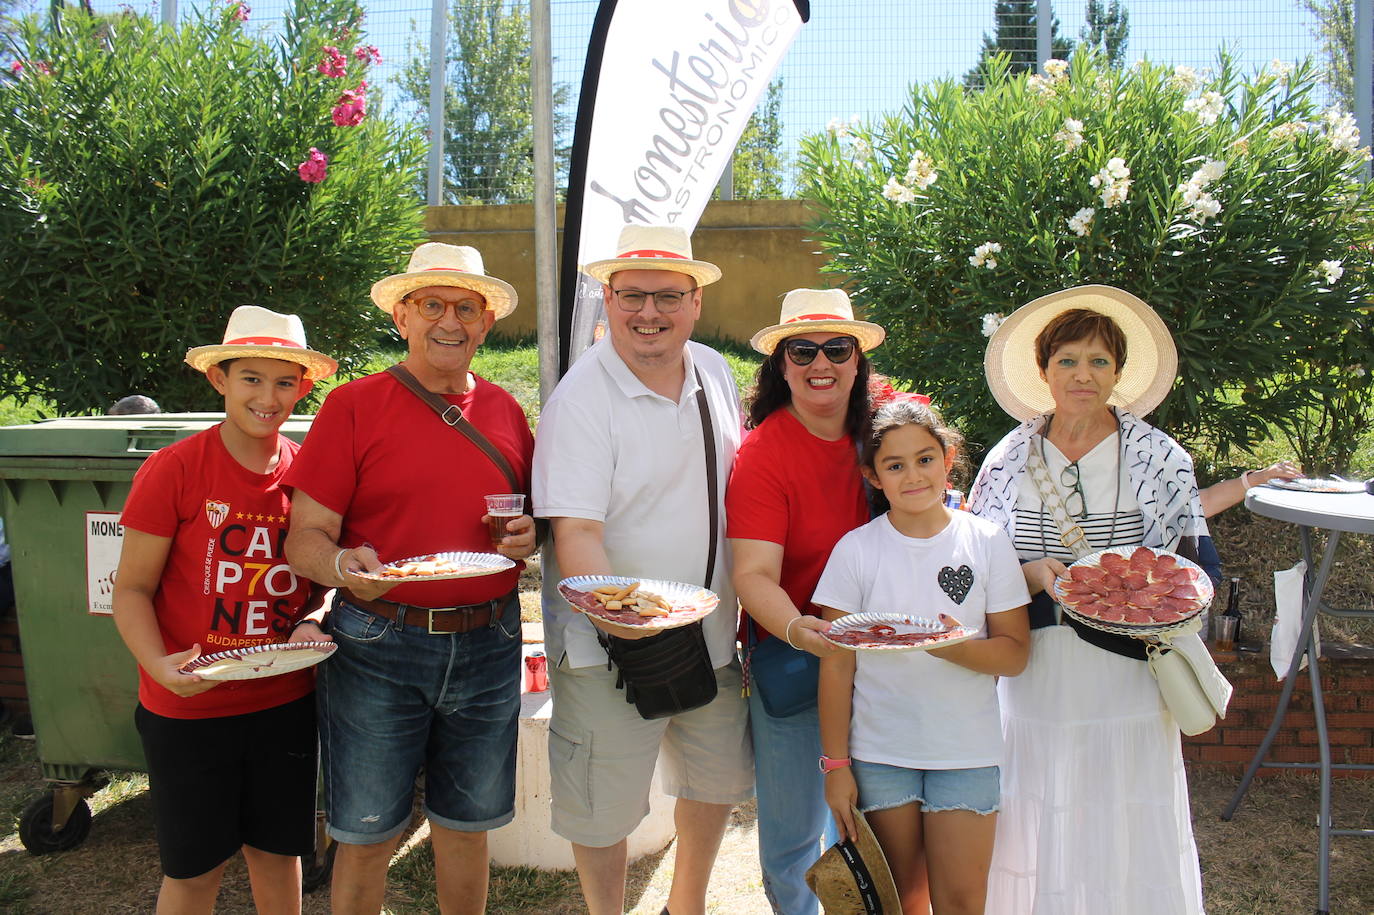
[794, 492]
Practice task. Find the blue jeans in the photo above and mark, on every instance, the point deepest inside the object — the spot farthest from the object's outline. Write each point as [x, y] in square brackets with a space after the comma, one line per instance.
[793, 816]
[394, 699]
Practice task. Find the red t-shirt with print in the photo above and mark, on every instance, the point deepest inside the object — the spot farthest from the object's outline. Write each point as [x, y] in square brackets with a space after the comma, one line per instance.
[406, 482]
[226, 583]
[791, 488]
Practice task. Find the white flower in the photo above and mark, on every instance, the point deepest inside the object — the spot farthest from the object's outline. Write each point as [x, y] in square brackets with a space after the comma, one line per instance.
[1115, 194]
[1211, 170]
[898, 192]
[1114, 181]
[1082, 222]
[1341, 131]
[991, 322]
[1071, 134]
[1204, 208]
[1190, 191]
[982, 255]
[1330, 271]
[1207, 107]
[841, 129]
[1289, 130]
[920, 171]
[1057, 69]
[861, 150]
[1281, 68]
[1185, 78]
[1040, 85]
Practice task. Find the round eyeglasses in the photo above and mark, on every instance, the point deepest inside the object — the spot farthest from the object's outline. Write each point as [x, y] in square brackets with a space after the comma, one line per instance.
[666, 301]
[432, 308]
[838, 350]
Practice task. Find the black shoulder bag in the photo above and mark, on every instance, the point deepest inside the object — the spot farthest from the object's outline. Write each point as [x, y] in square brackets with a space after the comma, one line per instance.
[671, 672]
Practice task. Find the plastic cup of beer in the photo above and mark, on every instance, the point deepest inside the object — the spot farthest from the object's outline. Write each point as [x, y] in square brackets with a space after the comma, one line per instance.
[502, 509]
[1224, 632]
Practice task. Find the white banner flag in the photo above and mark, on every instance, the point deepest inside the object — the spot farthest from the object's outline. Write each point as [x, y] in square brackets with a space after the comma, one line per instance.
[667, 92]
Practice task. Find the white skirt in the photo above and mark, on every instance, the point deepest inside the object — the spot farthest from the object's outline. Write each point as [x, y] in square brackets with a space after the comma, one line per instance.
[1094, 817]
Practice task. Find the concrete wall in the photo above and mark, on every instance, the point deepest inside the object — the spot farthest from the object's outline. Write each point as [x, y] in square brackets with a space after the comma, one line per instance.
[761, 246]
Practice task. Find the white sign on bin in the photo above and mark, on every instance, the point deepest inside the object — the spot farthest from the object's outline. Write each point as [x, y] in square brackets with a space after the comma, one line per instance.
[104, 538]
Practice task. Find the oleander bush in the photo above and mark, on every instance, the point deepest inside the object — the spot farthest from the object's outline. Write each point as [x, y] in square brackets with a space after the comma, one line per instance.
[151, 180]
[1230, 203]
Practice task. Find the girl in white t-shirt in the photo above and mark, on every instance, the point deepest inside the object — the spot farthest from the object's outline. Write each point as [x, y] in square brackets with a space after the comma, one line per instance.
[922, 727]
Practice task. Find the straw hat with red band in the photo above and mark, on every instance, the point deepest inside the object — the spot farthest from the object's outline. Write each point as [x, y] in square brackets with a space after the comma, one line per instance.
[807, 311]
[257, 333]
[437, 264]
[1151, 357]
[654, 248]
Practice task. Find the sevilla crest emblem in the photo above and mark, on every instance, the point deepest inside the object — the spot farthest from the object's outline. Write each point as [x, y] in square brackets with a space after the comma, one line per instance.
[216, 511]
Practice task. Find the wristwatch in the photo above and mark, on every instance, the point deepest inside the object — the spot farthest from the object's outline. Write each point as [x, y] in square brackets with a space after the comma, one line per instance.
[830, 765]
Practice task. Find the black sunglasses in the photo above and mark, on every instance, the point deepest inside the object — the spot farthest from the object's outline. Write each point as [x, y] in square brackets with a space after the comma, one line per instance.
[837, 349]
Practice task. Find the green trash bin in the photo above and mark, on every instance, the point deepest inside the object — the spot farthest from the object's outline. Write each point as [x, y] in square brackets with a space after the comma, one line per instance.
[63, 483]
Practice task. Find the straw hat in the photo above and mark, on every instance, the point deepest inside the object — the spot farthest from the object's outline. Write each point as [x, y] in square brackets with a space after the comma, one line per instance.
[805, 311]
[852, 877]
[437, 264]
[1151, 359]
[654, 248]
[257, 333]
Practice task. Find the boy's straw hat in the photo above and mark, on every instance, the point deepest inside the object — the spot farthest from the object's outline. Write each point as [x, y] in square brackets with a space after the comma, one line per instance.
[437, 264]
[852, 877]
[654, 248]
[806, 311]
[257, 333]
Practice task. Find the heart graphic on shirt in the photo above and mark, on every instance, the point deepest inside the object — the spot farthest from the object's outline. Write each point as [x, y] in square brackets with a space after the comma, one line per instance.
[956, 582]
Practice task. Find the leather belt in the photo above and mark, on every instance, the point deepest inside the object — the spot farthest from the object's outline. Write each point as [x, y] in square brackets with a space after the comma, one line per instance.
[434, 620]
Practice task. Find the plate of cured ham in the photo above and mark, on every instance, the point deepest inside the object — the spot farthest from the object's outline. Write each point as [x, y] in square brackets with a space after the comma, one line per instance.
[257, 661]
[440, 566]
[638, 604]
[1134, 590]
[896, 632]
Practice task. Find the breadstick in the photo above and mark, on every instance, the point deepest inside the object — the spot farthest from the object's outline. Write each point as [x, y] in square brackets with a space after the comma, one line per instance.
[625, 591]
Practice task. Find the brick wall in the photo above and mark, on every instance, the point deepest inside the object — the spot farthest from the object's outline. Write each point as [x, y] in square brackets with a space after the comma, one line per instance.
[1348, 691]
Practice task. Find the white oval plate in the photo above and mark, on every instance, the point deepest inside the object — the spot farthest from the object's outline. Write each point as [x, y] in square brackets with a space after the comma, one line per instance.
[473, 565]
[1204, 585]
[257, 661]
[1307, 484]
[690, 602]
[903, 624]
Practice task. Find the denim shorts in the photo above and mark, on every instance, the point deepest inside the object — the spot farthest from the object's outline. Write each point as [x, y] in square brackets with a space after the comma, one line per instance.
[394, 700]
[882, 787]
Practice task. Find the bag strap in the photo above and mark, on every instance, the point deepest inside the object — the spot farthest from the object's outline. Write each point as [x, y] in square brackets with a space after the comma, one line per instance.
[712, 480]
[1070, 534]
[452, 414]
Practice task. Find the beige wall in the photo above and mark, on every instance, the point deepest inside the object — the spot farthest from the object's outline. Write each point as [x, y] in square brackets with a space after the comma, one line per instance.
[761, 247]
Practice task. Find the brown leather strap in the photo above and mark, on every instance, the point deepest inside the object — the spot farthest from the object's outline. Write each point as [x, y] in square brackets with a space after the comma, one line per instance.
[453, 416]
[437, 620]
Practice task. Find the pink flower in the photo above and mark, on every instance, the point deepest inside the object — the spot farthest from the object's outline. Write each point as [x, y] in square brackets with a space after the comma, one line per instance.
[240, 11]
[366, 52]
[334, 63]
[352, 107]
[17, 68]
[314, 168]
[42, 67]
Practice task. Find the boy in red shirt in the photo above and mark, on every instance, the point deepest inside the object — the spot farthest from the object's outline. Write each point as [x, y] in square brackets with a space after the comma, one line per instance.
[231, 764]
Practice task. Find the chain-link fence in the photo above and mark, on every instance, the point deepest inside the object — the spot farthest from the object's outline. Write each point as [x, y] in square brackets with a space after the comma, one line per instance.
[854, 58]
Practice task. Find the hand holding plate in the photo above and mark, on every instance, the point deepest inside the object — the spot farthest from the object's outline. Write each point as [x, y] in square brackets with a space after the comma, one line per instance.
[363, 559]
[806, 635]
[308, 631]
[167, 671]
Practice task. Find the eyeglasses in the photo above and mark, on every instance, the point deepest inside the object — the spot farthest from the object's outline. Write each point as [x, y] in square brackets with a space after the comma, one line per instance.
[666, 301]
[432, 308]
[837, 349]
[1072, 478]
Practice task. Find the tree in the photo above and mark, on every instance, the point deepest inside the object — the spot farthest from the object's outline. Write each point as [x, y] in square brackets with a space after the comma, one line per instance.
[488, 110]
[759, 161]
[1107, 27]
[1336, 29]
[1014, 36]
[151, 180]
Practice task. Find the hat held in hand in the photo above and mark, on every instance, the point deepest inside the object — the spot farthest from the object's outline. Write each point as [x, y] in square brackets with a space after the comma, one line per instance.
[852, 877]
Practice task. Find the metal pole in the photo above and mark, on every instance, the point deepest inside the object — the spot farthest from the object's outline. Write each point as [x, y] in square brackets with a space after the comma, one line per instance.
[545, 208]
[727, 179]
[1044, 15]
[1363, 69]
[169, 13]
[438, 31]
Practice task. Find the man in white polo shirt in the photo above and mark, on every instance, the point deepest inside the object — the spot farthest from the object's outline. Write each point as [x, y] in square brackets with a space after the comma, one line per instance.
[621, 468]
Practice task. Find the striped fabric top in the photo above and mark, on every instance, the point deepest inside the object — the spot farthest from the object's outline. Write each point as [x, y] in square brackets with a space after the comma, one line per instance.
[1036, 533]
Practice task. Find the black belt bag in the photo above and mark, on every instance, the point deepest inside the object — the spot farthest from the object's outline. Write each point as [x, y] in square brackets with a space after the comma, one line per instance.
[663, 674]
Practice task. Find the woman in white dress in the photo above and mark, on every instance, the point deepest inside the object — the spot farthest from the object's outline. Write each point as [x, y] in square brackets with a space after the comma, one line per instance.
[1095, 816]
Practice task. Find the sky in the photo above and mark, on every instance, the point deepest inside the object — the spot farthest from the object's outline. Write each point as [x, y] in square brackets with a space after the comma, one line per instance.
[861, 56]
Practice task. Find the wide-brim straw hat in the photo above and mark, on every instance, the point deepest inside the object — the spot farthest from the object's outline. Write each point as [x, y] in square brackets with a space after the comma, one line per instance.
[1151, 357]
[852, 877]
[437, 264]
[653, 248]
[806, 311]
[258, 333]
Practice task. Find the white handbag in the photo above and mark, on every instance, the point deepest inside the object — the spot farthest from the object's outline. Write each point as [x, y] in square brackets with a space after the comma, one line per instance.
[1193, 688]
